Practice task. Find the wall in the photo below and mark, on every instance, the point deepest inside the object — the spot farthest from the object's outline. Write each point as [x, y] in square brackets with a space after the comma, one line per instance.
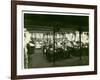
[5, 35]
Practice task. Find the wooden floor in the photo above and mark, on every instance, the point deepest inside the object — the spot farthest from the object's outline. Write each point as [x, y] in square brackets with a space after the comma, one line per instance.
[38, 60]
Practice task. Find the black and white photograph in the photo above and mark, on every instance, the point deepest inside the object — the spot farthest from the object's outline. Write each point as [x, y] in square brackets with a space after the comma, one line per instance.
[55, 40]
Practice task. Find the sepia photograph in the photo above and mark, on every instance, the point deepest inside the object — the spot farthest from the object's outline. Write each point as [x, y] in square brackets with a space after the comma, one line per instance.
[55, 40]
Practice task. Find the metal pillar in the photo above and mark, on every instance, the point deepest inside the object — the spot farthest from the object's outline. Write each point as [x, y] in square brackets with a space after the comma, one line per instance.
[80, 43]
[53, 46]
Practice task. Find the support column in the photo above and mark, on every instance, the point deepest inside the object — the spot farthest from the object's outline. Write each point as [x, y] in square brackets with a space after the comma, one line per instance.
[53, 46]
[80, 43]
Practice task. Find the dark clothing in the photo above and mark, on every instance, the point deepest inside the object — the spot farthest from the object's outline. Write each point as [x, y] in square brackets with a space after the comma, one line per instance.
[30, 49]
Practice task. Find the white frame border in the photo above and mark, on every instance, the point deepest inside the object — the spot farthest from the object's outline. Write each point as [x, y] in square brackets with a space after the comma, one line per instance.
[35, 71]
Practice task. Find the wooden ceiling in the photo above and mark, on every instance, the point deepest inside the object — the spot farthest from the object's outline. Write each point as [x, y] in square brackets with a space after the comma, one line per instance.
[41, 21]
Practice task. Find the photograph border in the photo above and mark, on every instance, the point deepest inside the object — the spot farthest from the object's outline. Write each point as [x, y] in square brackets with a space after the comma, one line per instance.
[14, 39]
